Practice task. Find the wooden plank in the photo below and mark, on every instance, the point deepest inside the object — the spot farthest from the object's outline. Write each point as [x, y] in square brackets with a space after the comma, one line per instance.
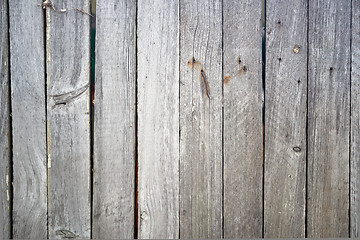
[355, 123]
[5, 131]
[68, 125]
[28, 120]
[242, 119]
[285, 119]
[158, 118]
[329, 119]
[114, 137]
[200, 119]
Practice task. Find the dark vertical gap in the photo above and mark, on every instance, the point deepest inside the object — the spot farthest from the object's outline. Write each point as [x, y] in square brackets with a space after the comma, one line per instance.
[222, 126]
[179, 11]
[263, 110]
[92, 95]
[10, 170]
[46, 119]
[307, 120]
[136, 189]
[351, 15]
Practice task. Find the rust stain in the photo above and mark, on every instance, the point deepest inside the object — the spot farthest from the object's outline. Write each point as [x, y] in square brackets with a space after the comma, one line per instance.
[193, 63]
[243, 70]
[296, 49]
[227, 79]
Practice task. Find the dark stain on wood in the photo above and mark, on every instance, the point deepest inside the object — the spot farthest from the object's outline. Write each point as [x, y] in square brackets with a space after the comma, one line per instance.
[239, 59]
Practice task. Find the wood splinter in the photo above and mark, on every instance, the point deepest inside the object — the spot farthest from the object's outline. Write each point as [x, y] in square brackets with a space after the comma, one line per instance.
[48, 3]
[205, 82]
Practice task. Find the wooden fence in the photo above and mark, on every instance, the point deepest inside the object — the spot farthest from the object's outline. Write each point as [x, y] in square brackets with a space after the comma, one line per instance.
[206, 119]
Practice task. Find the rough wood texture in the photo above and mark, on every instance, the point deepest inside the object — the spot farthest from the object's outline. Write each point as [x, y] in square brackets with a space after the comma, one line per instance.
[68, 69]
[158, 118]
[200, 119]
[28, 119]
[329, 118]
[285, 119]
[5, 131]
[242, 119]
[114, 139]
[355, 124]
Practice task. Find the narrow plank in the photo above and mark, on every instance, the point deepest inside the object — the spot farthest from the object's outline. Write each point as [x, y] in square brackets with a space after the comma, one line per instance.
[200, 119]
[68, 119]
[28, 120]
[158, 118]
[242, 119]
[114, 137]
[329, 119]
[285, 119]
[355, 123]
[5, 131]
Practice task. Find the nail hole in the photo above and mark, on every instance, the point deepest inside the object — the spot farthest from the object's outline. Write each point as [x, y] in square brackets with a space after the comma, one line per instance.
[297, 149]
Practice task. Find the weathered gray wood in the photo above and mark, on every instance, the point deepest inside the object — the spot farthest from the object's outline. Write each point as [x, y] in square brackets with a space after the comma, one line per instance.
[329, 119]
[285, 119]
[28, 119]
[200, 119]
[114, 138]
[158, 118]
[68, 69]
[5, 131]
[242, 119]
[355, 123]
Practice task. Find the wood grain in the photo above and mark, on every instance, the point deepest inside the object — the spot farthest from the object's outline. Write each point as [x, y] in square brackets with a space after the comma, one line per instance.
[285, 119]
[242, 119]
[68, 119]
[355, 124]
[200, 119]
[28, 120]
[5, 131]
[329, 119]
[114, 137]
[158, 118]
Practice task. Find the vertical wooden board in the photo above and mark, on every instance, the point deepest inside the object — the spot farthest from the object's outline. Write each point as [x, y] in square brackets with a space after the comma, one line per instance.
[28, 120]
[355, 123]
[285, 119]
[68, 119]
[158, 118]
[114, 137]
[329, 119]
[5, 131]
[200, 119]
[242, 119]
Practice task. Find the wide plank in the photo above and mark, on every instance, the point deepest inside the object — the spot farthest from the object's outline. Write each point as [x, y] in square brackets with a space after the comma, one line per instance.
[5, 131]
[243, 131]
[68, 119]
[355, 124]
[329, 119]
[114, 126]
[158, 118]
[28, 120]
[201, 119]
[285, 119]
